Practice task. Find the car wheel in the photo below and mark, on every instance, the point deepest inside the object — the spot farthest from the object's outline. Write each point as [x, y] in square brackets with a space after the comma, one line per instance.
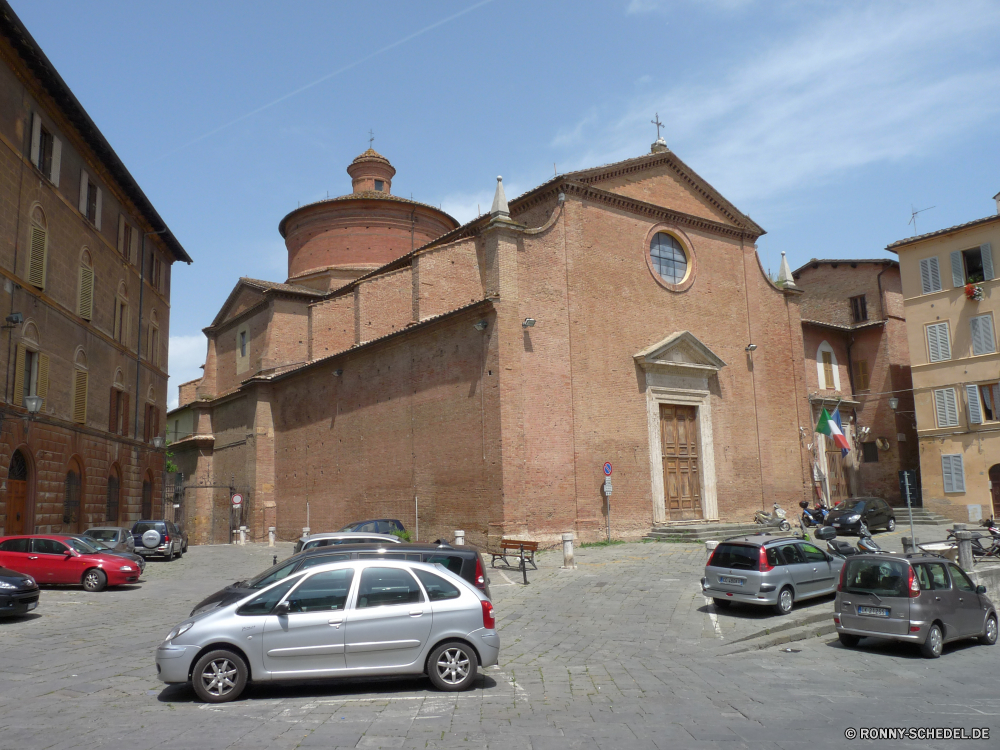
[219, 676]
[848, 640]
[95, 579]
[452, 666]
[185, 547]
[989, 636]
[931, 648]
[170, 554]
[786, 600]
[891, 526]
[722, 603]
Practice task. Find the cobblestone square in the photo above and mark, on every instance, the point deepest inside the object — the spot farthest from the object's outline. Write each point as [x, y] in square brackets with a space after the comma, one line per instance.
[623, 652]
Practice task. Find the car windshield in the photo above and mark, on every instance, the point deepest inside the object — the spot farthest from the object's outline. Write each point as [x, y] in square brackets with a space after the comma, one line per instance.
[97, 544]
[879, 577]
[272, 574]
[85, 548]
[104, 535]
[737, 556]
[858, 505]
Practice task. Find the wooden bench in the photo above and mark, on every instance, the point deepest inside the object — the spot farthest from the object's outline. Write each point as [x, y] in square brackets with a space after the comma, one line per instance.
[512, 548]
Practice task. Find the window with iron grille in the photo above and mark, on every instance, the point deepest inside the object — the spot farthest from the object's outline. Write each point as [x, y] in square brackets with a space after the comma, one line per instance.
[71, 499]
[859, 309]
[147, 499]
[111, 510]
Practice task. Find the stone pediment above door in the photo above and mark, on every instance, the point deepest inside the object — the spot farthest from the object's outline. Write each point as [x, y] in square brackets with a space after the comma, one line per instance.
[680, 351]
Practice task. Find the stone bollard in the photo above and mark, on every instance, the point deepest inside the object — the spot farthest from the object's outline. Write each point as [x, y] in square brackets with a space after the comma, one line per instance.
[243, 535]
[710, 547]
[965, 561]
[236, 536]
[270, 536]
[459, 538]
[909, 545]
[305, 531]
[567, 540]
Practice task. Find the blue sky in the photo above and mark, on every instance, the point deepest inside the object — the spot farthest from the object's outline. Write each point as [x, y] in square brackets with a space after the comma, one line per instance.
[825, 122]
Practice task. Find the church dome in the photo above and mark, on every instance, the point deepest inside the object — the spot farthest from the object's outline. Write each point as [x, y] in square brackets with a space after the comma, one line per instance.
[333, 241]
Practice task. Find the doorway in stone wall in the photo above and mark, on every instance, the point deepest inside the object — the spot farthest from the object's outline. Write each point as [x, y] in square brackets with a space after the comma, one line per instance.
[17, 494]
[995, 489]
[681, 470]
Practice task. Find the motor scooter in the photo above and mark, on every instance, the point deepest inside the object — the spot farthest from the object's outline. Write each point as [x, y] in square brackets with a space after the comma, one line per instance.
[866, 545]
[777, 518]
[816, 516]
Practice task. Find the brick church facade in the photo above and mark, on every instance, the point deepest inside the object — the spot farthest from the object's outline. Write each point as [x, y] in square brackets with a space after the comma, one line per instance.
[478, 377]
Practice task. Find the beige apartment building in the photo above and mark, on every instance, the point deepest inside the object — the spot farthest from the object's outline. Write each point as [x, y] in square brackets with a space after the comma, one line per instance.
[951, 302]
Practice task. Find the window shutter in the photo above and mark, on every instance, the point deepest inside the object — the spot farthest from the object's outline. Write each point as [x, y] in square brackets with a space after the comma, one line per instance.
[56, 160]
[930, 275]
[113, 411]
[122, 250]
[19, 376]
[42, 387]
[36, 137]
[946, 475]
[36, 257]
[940, 408]
[97, 213]
[156, 421]
[974, 329]
[986, 249]
[957, 269]
[84, 180]
[80, 396]
[975, 411]
[125, 415]
[118, 320]
[947, 409]
[983, 341]
[86, 308]
[938, 344]
[953, 471]
[147, 423]
[133, 250]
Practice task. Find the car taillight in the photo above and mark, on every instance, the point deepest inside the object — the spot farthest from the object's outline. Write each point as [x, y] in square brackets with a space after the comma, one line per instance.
[488, 620]
[764, 564]
[840, 583]
[711, 558]
[166, 538]
[913, 584]
[480, 578]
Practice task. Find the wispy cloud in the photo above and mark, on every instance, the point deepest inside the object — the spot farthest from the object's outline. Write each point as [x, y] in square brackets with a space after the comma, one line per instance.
[871, 83]
[187, 354]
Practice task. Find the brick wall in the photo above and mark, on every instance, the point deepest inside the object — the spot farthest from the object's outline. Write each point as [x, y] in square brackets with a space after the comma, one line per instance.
[445, 277]
[385, 303]
[331, 326]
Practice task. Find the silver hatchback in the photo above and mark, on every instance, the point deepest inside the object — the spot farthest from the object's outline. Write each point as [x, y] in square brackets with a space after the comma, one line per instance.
[345, 619]
[769, 571]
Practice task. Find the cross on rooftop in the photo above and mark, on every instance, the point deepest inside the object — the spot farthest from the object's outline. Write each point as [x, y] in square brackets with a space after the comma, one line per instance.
[658, 125]
[371, 138]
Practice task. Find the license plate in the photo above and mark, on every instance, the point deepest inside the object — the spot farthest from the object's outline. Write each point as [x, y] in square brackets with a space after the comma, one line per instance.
[731, 581]
[874, 611]
[32, 605]
[835, 523]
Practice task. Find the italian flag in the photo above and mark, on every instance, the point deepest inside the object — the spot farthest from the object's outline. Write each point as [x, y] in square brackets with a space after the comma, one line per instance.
[830, 426]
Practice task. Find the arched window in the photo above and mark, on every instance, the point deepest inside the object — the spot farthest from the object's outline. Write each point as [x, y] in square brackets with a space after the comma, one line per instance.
[38, 248]
[147, 496]
[152, 427]
[121, 314]
[113, 497]
[85, 296]
[827, 371]
[80, 383]
[153, 340]
[118, 407]
[71, 498]
[17, 494]
[31, 367]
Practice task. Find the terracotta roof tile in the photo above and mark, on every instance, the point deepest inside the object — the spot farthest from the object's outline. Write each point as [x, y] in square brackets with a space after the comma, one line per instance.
[966, 225]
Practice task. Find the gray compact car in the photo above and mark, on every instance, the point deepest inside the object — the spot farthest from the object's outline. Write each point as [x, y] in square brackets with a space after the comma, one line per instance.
[771, 571]
[919, 599]
[344, 619]
[328, 538]
[117, 538]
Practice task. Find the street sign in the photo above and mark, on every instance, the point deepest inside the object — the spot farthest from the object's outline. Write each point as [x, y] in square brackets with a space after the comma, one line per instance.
[607, 469]
[607, 486]
[237, 499]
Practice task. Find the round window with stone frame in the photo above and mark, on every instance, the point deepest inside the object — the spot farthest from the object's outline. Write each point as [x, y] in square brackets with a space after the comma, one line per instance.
[668, 258]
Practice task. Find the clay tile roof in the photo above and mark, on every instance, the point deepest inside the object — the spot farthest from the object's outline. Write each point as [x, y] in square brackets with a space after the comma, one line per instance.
[845, 261]
[370, 155]
[275, 286]
[946, 230]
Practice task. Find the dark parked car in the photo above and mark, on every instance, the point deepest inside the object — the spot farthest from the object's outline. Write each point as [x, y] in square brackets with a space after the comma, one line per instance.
[919, 599]
[18, 593]
[462, 561]
[117, 538]
[874, 511]
[99, 546]
[167, 541]
[377, 526]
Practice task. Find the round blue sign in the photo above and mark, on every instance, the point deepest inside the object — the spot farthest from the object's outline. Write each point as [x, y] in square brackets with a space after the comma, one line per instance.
[607, 469]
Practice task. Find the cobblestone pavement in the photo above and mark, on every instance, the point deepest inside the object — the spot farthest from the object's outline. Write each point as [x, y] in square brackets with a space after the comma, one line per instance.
[622, 652]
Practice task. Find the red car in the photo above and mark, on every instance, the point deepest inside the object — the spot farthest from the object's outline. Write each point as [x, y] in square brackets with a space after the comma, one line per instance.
[56, 558]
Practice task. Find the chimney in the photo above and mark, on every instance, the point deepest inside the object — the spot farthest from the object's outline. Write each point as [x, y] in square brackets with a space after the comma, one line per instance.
[997, 199]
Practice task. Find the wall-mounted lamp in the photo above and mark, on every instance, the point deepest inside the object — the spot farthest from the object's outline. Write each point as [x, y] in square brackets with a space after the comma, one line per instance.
[481, 325]
[14, 319]
[158, 442]
[751, 347]
[33, 404]
[894, 403]
[337, 373]
[528, 323]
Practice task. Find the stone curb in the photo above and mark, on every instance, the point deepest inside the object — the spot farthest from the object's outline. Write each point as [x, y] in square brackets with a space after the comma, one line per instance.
[798, 634]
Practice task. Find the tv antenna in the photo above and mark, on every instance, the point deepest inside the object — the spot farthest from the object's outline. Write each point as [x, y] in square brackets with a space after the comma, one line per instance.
[913, 216]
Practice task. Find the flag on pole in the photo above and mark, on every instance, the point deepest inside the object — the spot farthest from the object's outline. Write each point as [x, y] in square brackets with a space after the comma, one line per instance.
[836, 418]
[830, 426]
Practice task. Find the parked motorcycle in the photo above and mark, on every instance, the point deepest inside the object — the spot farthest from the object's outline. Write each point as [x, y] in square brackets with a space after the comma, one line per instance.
[866, 545]
[978, 550]
[777, 518]
[816, 516]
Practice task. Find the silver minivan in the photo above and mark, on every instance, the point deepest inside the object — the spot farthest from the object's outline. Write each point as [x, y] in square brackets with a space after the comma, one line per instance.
[919, 599]
[769, 571]
[344, 619]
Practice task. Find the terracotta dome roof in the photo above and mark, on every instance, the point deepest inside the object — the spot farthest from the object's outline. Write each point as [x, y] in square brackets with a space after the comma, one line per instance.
[370, 155]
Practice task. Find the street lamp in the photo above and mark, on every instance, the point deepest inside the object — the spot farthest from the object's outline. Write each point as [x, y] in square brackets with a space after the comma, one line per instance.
[158, 442]
[894, 403]
[33, 403]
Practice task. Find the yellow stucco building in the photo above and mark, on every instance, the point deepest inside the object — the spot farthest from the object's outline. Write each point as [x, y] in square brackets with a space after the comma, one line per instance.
[951, 296]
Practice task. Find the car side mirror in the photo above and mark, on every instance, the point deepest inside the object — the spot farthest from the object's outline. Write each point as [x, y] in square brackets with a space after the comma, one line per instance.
[72, 553]
[980, 589]
[282, 608]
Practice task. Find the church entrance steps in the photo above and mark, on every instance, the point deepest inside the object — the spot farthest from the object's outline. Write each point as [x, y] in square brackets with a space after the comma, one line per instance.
[921, 517]
[700, 531]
